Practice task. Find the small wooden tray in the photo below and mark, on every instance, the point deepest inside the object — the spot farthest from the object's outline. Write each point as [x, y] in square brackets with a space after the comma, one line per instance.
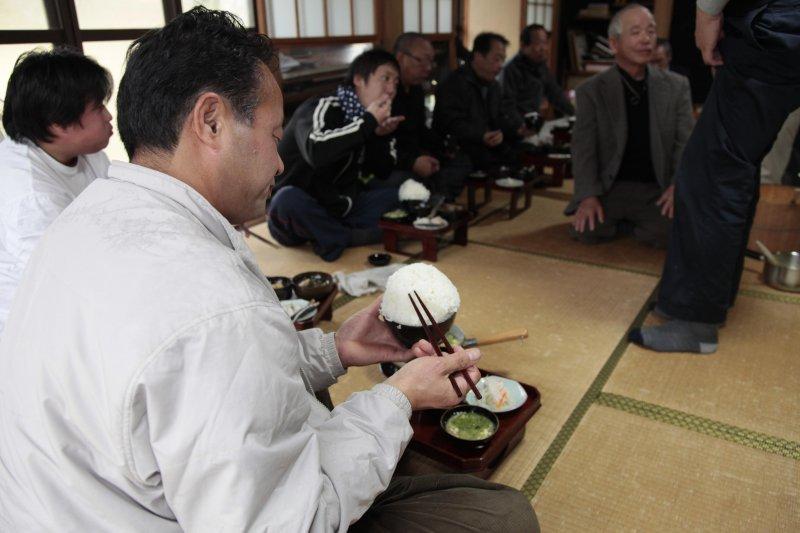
[324, 312]
[393, 230]
[432, 442]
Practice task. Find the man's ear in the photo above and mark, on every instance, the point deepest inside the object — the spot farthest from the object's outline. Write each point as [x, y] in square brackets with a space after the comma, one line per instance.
[208, 117]
[359, 81]
[613, 42]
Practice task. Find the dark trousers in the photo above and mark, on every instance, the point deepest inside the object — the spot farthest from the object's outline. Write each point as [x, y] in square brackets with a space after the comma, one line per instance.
[296, 218]
[629, 208]
[717, 182]
[445, 503]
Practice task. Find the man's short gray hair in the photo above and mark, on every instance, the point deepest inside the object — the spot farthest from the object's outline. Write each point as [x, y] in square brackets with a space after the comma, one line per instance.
[615, 26]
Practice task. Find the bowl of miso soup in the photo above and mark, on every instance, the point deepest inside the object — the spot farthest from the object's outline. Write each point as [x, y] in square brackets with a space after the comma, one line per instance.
[470, 424]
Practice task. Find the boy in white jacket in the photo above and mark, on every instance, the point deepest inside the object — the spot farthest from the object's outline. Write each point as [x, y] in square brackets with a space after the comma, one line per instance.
[57, 125]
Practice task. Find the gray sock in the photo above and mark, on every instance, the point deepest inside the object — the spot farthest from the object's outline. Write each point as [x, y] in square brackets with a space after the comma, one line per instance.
[677, 336]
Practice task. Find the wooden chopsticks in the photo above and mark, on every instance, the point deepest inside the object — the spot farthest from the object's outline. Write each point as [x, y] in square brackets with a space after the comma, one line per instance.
[429, 332]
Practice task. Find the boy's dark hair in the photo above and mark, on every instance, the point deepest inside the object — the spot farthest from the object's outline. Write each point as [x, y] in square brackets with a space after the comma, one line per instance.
[51, 87]
[526, 36]
[483, 42]
[368, 62]
[167, 69]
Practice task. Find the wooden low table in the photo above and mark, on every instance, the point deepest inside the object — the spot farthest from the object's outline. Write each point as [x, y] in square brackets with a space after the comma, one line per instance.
[554, 165]
[431, 441]
[488, 185]
[392, 231]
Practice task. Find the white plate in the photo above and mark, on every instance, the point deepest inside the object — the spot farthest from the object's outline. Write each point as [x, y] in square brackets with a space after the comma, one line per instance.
[559, 156]
[510, 182]
[516, 395]
[293, 306]
[439, 225]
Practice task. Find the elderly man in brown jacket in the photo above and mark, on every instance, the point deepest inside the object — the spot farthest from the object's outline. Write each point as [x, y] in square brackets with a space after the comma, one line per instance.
[632, 123]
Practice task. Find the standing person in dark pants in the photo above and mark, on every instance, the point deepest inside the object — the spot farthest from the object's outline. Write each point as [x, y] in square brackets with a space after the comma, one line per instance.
[757, 85]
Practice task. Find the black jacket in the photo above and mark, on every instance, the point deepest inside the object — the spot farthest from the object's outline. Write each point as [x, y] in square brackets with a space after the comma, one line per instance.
[331, 159]
[413, 137]
[463, 111]
[525, 83]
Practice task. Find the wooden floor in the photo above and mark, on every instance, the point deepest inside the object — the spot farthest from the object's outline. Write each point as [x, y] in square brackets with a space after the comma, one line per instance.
[626, 440]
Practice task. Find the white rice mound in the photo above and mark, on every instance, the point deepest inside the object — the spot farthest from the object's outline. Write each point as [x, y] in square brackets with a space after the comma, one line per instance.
[435, 289]
[412, 190]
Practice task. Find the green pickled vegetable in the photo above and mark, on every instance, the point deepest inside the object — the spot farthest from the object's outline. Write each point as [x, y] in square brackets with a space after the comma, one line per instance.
[469, 426]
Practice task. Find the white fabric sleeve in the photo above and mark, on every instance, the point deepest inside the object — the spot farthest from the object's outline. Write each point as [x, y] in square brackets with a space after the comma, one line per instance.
[29, 219]
[712, 7]
[319, 358]
[220, 421]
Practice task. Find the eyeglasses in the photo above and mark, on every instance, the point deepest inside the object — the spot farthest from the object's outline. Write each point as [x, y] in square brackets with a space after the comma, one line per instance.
[422, 61]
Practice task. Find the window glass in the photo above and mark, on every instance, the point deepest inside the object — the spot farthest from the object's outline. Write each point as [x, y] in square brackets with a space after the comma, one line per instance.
[364, 16]
[312, 18]
[428, 16]
[410, 15]
[445, 16]
[339, 17]
[29, 15]
[281, 19]
[118, 14]
[241, 8]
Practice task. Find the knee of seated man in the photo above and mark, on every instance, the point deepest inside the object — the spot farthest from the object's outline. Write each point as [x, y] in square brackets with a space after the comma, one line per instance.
[515, 512]
[288, 200]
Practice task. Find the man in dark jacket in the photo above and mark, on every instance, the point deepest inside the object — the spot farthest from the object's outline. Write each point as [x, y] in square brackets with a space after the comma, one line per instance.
[334, 149]
[415, 55]
[420, 152]
[470, 106]
[528, 82]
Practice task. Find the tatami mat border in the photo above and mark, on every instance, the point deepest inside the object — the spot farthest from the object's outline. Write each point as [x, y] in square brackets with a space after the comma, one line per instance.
[535, 480]
[698, 424]
[751, 293]
[771, 296]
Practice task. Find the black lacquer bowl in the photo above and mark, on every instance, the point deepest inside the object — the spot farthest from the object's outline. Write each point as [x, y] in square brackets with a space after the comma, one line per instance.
[408, 335]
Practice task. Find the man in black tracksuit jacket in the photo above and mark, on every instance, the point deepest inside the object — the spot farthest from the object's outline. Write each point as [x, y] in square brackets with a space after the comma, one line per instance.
[335, 150]
[470, 106]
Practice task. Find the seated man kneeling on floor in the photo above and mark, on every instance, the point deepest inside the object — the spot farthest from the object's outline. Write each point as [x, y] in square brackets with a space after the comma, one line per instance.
[470, 106]
[335, 149]
[57, 126]
[632, 123]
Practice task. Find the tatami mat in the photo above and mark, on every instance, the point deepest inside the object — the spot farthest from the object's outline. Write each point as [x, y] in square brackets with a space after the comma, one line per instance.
[752, 381]
[543, 229]
[621, 472]
[288, 261]
[695, 460]
[568, 343]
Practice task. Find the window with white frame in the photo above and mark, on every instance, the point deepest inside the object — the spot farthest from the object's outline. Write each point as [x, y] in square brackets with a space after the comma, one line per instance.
[428, 16]
[293, 19]
[539, 12]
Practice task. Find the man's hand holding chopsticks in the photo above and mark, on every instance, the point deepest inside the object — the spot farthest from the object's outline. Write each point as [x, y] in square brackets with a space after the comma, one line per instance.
[364, 340]
[426, 380]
